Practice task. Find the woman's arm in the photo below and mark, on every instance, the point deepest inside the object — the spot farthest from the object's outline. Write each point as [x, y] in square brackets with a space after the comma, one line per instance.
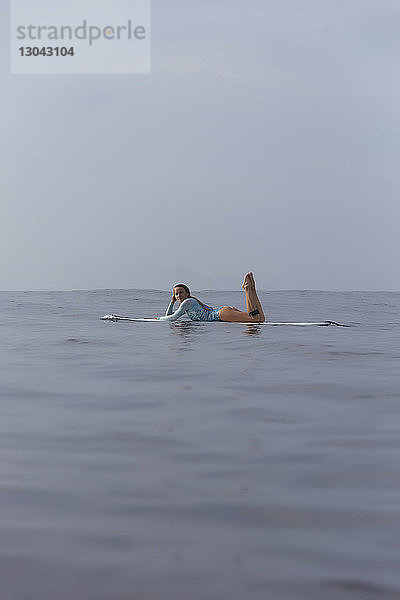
[178, 313]
[170, 308]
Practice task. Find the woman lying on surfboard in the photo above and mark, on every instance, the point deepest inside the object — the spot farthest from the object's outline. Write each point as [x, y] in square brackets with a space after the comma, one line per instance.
[197, 311]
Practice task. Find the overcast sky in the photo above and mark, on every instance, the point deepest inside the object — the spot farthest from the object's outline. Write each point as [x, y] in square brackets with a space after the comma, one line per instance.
[266, 138]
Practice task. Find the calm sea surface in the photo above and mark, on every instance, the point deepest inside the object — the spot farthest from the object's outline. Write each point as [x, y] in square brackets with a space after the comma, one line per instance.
[199, 461]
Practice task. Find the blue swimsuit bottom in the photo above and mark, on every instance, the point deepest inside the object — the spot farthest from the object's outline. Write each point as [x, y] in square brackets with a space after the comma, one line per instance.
[204, 314]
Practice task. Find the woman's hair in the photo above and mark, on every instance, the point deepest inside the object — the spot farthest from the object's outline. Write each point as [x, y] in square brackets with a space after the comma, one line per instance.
[185, 287]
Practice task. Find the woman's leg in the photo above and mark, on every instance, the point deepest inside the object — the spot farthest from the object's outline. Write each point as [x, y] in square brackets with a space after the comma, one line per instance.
[249, 298]
[233, 315]
[254, 300]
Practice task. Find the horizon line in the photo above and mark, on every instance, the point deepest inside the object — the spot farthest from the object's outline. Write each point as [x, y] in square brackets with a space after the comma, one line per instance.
[101, 289]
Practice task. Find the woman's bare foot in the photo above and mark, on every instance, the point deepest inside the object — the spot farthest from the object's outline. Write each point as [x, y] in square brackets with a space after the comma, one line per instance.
[247, 281]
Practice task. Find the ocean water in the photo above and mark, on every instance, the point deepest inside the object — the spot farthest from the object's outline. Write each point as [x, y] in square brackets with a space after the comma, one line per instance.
[199, 461]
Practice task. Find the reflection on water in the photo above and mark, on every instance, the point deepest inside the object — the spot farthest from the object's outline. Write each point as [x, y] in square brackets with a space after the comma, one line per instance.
[189, 328]
[252, 329]
[186, 331]
[182, 327]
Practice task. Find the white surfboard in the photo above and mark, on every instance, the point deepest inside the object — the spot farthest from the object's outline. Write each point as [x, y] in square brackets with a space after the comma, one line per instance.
[319, 324]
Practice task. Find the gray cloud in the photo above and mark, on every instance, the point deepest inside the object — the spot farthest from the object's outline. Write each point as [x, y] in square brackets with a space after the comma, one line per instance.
[265, 138]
